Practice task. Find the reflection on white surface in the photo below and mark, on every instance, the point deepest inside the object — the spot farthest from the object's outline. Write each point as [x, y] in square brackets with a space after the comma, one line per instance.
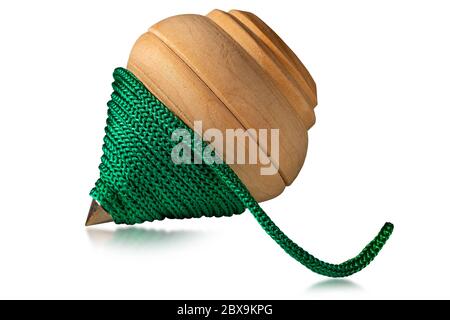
[335, 285]
[140, 238]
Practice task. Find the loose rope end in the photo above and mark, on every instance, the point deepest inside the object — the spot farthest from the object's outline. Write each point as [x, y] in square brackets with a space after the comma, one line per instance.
[345, 269]
[389, 227]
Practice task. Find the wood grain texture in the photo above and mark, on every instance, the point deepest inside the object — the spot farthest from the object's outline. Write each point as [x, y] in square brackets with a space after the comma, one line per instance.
[239, 82]
[267, 60]
[280, 49]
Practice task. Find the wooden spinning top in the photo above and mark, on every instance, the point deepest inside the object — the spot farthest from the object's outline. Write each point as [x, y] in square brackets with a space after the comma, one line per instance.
[230, 71]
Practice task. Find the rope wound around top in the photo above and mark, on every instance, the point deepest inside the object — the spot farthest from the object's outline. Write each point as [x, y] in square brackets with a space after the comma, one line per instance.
[139, 182]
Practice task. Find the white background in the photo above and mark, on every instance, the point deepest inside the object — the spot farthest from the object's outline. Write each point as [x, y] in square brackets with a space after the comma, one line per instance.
[378, 152]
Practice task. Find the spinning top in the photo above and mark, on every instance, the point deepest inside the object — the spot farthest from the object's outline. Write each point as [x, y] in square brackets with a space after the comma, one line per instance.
[231, 71]
[207, 77]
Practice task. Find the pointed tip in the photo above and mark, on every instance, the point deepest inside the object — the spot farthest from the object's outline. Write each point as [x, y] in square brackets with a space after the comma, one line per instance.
[97, 215]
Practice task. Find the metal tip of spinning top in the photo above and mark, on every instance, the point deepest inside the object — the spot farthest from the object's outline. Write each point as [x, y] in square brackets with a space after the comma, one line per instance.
[97, 215]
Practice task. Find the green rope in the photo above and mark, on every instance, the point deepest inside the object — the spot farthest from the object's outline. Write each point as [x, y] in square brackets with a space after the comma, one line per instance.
[139, 182]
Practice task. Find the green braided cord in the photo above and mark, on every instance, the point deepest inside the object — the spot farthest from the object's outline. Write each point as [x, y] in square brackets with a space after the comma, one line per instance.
[139, 182]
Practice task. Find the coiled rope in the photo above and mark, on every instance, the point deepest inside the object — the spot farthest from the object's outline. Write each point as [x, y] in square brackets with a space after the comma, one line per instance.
[139, 182]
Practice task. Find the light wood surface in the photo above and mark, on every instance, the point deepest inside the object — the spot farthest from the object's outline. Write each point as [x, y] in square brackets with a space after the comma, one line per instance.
[231, 71]
[267, 60]
[280, 49]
